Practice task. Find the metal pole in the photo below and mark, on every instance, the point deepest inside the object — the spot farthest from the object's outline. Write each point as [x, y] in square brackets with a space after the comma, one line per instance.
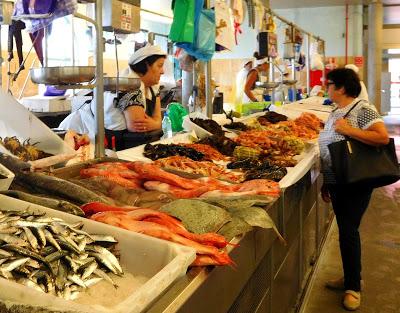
[323, 62]
[308, 63]
[207, 72]
[46, 48]
[294, 91]
[209, 107]
[99, 90]
[1, 64]
[271, 79]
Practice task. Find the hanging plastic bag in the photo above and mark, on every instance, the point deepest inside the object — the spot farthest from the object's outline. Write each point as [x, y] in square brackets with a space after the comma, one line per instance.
[204, 45]
[225, 34]
[176, 113]
[186, 61]
[182, 28]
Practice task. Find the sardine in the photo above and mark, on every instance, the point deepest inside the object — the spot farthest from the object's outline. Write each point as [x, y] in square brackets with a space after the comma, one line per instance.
[72, 264]
[111, 257]
[105, 261]
[76, 279]
[31, 238]
[51, 240]
[47, 250]
[61, 277]
[9, 266]
[82, 244]
[22, 223]
[56, 256]
[27, 253]
[56, 228]
[4, 253]
[13, 240]
[104, 238]
[38, 232]
[66, 245]
[92, 281]
[33, 263]
[103, 275]
[89, 270]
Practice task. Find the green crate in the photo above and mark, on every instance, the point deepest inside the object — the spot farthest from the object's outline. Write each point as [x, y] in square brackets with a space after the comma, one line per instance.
[251, 107]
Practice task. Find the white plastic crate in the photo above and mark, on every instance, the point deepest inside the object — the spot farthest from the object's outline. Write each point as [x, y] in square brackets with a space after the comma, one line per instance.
[47, 104]
[160, 262]
[17, 121]
[188, 125]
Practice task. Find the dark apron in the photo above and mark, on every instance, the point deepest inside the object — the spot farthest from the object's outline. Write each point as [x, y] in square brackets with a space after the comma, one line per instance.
[125, 139]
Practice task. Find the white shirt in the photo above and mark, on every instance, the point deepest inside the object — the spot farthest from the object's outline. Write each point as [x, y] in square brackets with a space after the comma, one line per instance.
[114, 118]
[363, 94]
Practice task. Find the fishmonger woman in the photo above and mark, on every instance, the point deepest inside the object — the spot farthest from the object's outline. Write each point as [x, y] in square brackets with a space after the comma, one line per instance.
[134, 118]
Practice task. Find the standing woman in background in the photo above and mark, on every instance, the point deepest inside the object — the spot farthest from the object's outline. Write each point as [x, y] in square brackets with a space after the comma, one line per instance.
[254, 75]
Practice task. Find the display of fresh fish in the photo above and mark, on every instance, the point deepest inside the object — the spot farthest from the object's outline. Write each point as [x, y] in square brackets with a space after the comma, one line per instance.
[53, 256]
[123, 220]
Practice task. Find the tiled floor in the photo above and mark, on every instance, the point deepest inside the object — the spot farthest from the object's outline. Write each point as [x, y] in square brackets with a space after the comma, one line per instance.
[380, 236]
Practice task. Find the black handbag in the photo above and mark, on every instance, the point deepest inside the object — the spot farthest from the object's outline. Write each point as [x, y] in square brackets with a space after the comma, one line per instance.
[354, 162]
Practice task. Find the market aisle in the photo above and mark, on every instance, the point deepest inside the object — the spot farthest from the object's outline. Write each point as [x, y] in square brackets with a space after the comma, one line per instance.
[380, 235]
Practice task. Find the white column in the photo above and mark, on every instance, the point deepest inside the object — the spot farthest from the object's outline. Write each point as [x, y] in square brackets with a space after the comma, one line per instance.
[375, 23]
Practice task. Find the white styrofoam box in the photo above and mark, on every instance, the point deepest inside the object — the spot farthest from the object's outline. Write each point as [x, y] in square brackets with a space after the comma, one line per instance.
[162, 262]
[188, 125]
[47, 104]
[5, 182]
[16, 120]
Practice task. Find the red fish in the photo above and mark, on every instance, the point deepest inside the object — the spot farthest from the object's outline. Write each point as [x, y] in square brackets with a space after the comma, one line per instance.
[150, 171]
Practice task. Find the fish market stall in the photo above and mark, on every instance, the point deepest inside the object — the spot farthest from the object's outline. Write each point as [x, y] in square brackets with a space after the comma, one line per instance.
[140, 276]
[272, 275]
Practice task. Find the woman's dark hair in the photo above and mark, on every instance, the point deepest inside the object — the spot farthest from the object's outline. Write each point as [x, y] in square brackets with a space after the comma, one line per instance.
[346, 78]
[141, 67]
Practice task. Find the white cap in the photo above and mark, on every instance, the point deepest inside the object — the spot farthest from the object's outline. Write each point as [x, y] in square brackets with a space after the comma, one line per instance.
[352, 67]
[145, 52]
[261, 61]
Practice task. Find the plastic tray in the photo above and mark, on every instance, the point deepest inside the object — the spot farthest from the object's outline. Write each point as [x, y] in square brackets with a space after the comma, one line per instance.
[189, 126]
[17, 121]
[5, 182]
[160, 262]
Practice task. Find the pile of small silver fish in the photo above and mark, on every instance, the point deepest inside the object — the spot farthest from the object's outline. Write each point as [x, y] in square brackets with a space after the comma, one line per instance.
[53, 256]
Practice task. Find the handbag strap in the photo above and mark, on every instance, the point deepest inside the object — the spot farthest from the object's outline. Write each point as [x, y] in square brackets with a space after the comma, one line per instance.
[348, 112]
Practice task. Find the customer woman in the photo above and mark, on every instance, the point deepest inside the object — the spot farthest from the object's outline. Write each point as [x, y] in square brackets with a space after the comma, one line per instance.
[349, 203]
[134, 118]
[253, 75]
